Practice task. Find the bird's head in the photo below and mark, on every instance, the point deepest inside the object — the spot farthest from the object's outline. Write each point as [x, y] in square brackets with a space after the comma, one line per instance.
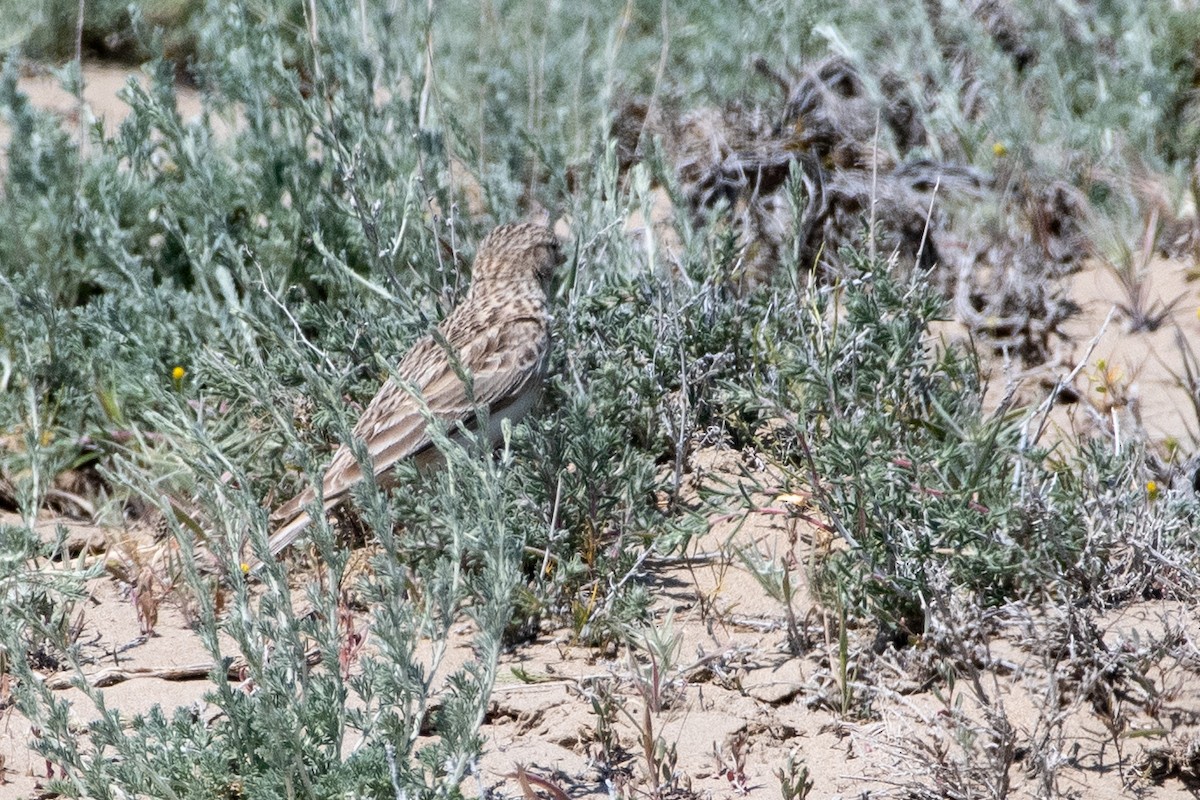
[518, 252]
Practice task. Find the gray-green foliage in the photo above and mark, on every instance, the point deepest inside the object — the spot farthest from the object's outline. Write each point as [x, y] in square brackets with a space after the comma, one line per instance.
[287, 245]
[887, 430]
[282, 251]
[171, 245]
[1065, 86]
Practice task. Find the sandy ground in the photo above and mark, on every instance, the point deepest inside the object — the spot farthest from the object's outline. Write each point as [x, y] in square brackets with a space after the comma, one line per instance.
[101, 101]
[1144, 370]
[735, 705]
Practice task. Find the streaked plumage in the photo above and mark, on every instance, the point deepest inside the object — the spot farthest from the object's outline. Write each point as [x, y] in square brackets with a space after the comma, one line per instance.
[499, 335]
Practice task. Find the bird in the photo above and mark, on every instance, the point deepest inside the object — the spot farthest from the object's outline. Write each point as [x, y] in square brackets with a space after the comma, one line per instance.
[492, 351]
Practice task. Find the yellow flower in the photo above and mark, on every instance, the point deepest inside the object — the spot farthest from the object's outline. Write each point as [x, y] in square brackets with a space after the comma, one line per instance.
[1152, 490]
[178, 373]
[1000, 149]
[245, 568]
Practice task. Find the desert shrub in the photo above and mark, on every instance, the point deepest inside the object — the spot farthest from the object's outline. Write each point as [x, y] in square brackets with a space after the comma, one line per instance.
[886, 429]
[194, 308]
[192, 303]
[257, 266]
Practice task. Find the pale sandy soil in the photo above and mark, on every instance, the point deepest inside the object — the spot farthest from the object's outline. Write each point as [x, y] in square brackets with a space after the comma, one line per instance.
[101, 101]
[1147, 366]
[733, 686]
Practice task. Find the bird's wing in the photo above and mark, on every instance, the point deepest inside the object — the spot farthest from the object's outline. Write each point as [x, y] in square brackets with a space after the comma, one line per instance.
[503, 363]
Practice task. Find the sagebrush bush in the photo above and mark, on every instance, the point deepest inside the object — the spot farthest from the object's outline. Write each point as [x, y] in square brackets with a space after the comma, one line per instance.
[198, 301]
[886, 429]
[193, 311]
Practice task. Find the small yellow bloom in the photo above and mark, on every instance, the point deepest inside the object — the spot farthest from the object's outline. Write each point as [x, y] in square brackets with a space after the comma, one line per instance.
[178, 373]
[245, 568]
[1152, 490]
[1000, 149]
[46, 438]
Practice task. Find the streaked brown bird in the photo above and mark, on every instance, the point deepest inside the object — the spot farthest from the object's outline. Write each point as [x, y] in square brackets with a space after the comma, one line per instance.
[498, 337]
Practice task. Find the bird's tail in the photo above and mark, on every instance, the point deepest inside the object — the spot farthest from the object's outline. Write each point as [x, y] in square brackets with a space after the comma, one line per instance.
[293, 517]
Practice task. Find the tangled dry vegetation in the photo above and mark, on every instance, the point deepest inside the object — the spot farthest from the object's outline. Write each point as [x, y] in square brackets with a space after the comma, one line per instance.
[857, 190]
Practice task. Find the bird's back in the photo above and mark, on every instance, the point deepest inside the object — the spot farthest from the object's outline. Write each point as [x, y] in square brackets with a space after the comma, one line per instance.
[490, 354]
